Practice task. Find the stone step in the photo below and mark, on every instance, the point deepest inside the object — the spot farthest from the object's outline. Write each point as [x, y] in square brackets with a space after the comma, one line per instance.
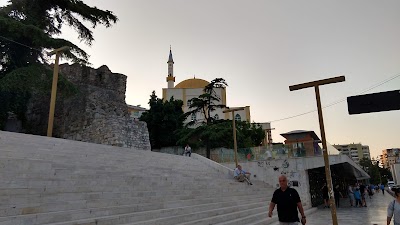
[209, 216]
[133, 196]
[166, 220]
[55, 181]
[73, 161]
[44, 218]
[274, 219]
[19, 201]
[81, 205]
[53, 168]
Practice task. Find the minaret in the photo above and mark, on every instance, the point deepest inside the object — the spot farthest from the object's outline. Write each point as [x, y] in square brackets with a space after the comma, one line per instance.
[170, 77]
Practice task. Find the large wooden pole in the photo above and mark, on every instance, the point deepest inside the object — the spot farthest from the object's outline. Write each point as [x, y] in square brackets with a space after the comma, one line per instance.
[316, 85]
[326, 158]
[54, 90]
[233, 110]
[234, 138]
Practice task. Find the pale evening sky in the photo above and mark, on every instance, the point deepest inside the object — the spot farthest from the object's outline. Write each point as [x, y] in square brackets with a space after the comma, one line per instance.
[261, 48]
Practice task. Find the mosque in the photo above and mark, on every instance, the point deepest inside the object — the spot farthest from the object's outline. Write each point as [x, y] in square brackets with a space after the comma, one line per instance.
[193, 88]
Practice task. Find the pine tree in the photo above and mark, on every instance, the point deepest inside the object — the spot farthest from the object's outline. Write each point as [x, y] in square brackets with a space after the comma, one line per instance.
[36, 23]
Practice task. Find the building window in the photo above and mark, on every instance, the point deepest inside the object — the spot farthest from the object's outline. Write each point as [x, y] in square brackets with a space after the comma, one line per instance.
[216, 117]
[194, 117]
[238, 117]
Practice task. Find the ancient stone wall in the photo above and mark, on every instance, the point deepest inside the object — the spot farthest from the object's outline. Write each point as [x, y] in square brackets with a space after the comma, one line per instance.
[98, 112]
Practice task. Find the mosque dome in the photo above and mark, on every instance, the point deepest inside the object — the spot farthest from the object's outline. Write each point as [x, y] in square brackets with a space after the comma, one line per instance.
[192, 83]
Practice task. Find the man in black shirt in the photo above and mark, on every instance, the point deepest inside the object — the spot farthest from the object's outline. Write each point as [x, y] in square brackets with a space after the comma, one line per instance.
[288, 200]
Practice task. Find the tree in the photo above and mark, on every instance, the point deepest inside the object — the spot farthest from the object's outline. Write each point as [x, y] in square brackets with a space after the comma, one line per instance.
[377, 173]
[164, 119]
[205, 104]
[219, 134]
[36, 23]
[372, 168]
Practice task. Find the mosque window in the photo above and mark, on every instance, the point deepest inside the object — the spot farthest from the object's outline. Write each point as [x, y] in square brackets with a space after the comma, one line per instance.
[216, 117]
[238, 117]
[194, 117]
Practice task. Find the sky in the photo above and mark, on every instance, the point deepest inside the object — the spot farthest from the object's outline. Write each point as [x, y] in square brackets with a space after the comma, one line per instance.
[260, 48]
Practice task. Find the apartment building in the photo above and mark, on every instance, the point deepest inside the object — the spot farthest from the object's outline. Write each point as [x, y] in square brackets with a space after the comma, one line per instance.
[389, 157]
[354, 151]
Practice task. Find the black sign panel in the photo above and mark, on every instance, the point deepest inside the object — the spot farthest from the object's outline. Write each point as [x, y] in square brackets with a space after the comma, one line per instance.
[377, 102]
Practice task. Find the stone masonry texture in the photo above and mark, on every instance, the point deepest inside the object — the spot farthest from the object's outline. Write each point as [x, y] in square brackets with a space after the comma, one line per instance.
[97, 113]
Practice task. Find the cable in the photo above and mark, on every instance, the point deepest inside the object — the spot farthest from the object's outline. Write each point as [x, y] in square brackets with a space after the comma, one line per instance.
[339, 101]
[21, 44]
[43, 56]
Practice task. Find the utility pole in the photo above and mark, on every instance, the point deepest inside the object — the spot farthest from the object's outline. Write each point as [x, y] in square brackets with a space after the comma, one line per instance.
[233, 110]
[316, 85]
[54, 89]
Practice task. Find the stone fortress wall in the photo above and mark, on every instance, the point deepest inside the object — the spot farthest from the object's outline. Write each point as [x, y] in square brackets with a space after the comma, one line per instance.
[97, 113]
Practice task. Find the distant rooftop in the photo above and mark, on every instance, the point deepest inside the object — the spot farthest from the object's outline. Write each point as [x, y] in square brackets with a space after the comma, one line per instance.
[312, 133]
[136, 107]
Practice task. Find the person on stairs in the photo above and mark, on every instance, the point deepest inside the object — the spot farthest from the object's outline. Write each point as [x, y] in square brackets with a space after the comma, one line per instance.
[188, 150]
[241, 175]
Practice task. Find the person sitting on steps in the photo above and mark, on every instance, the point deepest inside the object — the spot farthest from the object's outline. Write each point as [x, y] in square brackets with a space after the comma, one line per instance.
[188, 150]
[241, 175]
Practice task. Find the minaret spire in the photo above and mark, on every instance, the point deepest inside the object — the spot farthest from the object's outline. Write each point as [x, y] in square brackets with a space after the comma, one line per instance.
[170, 56]
[170, 77]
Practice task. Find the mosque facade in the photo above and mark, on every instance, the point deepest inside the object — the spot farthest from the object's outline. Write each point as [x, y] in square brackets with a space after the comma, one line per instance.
[193, 88]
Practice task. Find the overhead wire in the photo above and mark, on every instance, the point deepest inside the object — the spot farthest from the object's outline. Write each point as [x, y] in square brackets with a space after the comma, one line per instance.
[26, 46]
[20, 44]
[341, 100]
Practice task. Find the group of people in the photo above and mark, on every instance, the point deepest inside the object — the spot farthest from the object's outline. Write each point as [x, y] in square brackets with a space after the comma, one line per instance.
[357, 194]
[289, 204]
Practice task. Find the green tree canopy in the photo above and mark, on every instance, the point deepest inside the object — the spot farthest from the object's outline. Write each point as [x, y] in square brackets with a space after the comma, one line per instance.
[37, 23]
[164, 119]
[377, 173]
[219, 134]
[207, 102]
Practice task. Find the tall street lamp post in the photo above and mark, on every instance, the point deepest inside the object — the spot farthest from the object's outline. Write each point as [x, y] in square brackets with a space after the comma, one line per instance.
[316, 85]
[233, 110]
[54, 89]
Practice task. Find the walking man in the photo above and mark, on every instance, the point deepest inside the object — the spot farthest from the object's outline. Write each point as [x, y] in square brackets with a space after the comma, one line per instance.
[288, 201]
[382, 188]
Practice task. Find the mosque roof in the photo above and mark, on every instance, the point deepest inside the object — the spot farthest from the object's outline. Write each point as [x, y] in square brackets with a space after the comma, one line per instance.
[192, 83]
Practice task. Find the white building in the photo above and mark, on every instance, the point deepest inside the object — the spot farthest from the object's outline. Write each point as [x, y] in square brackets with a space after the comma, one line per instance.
[135, 112]
[193, 88]
[354, 151]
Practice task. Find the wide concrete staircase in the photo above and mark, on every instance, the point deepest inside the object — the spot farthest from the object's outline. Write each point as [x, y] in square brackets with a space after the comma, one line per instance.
[62, 182]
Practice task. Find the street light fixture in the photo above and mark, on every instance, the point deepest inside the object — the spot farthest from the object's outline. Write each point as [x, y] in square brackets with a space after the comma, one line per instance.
[57, 52]
[233, 110]
[316, 85]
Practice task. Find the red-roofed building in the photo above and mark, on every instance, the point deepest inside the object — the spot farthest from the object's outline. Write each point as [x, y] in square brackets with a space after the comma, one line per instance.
[302, 143]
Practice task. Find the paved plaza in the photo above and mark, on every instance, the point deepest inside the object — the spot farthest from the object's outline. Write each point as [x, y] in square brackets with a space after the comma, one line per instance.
[375, 213]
